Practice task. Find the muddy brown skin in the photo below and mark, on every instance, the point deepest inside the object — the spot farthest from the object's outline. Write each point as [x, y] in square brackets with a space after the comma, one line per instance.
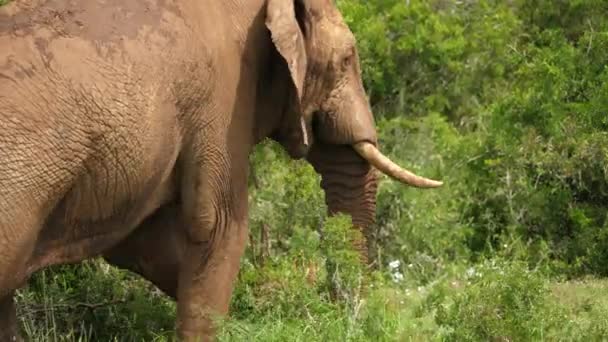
[125, 130]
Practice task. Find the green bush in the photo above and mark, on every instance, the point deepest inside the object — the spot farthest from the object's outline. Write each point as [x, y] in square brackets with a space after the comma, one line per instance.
[505, 101]
[421, 57]
[503, 302]
[545, 151]
[343, 264]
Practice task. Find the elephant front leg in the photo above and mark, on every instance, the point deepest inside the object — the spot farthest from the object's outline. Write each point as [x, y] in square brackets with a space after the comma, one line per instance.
[217, 235]
[206, 283]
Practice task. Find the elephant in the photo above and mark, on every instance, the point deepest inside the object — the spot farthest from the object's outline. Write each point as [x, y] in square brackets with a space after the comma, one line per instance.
[126, 128]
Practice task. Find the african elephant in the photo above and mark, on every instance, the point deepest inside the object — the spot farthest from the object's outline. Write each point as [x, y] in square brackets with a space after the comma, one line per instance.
[126, 126]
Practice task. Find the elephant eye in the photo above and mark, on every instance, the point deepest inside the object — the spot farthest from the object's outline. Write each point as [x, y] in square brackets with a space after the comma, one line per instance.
[347, 61]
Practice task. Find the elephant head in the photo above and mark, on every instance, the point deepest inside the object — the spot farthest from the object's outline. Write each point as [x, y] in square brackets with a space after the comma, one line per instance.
[328, 119]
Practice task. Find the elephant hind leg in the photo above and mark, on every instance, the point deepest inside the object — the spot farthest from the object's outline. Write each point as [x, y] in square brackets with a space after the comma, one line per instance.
[18, 233]
[32, 182]
[9, 327]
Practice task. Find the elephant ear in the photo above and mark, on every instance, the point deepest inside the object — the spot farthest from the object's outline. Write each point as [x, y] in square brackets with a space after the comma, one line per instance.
[288, 39]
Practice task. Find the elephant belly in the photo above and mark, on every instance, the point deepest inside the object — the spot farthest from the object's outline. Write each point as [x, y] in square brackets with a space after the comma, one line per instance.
[112, 197]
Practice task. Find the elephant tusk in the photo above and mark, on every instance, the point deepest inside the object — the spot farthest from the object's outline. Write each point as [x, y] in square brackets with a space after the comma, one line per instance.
[304, 132]
[370, 153]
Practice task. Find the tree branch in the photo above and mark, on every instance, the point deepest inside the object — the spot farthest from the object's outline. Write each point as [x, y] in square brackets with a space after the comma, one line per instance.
[90, 306]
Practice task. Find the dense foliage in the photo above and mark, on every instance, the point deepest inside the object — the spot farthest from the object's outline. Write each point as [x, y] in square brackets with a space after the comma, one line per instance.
[507, 102]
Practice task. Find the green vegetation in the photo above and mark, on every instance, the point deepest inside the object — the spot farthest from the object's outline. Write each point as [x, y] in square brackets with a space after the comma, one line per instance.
[507, 102]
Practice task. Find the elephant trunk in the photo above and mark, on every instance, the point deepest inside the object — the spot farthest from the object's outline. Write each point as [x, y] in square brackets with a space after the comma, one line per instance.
[350, 185]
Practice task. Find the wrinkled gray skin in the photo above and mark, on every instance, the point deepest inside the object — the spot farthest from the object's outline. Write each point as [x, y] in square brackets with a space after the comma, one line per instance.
[125, 130]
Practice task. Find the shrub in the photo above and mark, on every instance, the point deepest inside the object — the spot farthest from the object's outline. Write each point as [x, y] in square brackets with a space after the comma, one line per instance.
[344, 268]
[504, 301]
